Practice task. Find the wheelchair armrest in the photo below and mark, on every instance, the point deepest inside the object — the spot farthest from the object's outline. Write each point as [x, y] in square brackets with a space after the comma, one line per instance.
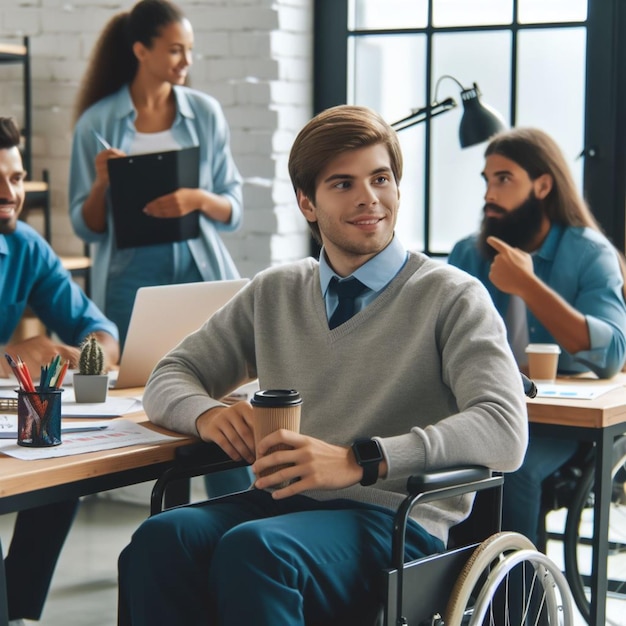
[422, 483]
[428, 487]
[195, 459]
[432, 486]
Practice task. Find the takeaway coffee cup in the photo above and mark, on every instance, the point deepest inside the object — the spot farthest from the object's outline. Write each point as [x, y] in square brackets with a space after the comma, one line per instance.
[274, 409]
[543, 359]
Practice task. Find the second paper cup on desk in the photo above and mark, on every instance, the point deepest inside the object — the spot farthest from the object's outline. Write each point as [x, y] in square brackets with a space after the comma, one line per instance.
[39, 418]
[274, 409]
[543, 360]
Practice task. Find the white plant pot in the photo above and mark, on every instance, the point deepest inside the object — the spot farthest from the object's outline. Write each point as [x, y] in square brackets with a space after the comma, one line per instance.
[91, 388]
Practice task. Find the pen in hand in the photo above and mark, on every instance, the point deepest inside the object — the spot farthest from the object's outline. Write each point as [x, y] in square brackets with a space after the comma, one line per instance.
[103, 142]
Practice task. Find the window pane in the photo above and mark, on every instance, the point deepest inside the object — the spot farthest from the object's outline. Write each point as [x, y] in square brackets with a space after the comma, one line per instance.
[542, 11]
[387, 73]
[457, 189]
[551, 99]
[474, 13]
[382, 14]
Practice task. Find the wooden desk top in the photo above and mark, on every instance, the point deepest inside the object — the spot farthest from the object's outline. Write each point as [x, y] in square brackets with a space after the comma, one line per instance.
[12, 49]
[605, 410]
[33, 186]
[73, 263]
[23, 476]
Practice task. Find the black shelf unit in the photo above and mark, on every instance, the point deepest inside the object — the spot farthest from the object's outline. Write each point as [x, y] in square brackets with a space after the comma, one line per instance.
[37, 191]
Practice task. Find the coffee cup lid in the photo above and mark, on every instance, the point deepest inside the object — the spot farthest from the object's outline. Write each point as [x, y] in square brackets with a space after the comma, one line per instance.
[276, 397]
[544, 348]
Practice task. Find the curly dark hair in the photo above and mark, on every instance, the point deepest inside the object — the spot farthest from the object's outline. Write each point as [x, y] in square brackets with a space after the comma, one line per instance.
[9, 133]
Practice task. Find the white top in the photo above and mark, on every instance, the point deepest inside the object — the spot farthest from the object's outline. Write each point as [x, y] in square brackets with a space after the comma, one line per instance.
[145, 143]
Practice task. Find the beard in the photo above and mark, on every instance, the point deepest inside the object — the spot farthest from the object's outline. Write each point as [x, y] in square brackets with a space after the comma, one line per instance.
[518, 227]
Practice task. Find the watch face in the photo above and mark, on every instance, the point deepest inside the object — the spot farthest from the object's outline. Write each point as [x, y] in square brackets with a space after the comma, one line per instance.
[368, 451]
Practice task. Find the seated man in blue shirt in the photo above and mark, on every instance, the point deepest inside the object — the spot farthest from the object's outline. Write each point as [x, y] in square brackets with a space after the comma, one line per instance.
[32, 275]
[554, 278]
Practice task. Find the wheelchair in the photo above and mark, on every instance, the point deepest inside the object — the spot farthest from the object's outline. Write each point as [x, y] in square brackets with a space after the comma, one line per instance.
[484, 577]
[571, 487]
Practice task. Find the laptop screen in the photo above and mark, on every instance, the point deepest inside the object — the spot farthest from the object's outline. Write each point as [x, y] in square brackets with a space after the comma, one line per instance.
[162, 317]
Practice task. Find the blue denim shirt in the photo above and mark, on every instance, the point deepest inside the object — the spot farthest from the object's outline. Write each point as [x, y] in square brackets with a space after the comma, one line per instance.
[31, 274]
[582, 267]
[199, 122]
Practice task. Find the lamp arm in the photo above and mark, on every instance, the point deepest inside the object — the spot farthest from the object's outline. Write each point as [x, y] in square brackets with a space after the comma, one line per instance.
[421, 115]
[451, 78]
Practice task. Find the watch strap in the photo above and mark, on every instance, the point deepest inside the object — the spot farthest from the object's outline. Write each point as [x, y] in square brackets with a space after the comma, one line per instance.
[368, 459]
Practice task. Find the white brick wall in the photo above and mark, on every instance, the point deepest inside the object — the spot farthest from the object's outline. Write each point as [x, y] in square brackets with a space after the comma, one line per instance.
[254, 56]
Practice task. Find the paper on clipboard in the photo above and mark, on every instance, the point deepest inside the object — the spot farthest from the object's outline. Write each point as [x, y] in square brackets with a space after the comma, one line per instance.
[136, 180]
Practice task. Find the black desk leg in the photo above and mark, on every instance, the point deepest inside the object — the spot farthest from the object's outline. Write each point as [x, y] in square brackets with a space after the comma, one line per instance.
[4, 611]
[602, 490]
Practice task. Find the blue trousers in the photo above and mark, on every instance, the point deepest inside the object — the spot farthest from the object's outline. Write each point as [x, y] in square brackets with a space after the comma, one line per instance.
[521, 503]
[247, 559]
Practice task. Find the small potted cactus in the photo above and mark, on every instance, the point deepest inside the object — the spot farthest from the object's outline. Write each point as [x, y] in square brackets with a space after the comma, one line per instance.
[91, 382]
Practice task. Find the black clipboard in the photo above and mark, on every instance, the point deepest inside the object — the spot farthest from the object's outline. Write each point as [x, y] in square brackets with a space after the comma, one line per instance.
[138, 179]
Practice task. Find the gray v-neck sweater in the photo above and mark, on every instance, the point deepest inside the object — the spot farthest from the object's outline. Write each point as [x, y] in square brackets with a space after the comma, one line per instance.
[426, 368]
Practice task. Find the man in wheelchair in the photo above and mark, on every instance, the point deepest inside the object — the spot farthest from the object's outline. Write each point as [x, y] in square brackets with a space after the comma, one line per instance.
[419, 378]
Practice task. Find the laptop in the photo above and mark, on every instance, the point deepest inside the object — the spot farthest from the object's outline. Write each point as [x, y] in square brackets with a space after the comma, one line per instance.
[162, 317]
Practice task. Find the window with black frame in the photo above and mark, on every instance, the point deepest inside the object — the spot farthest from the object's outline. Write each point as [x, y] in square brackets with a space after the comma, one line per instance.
[525, 59]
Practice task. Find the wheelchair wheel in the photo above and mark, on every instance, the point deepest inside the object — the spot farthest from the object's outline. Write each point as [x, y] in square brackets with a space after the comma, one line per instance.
[579, 533]
[507, 581]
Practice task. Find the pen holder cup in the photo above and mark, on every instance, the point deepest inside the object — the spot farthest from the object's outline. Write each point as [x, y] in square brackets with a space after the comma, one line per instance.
[39, 418]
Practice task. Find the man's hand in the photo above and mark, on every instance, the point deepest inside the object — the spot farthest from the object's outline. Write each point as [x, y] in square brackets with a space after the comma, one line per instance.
[231, 428]
[512, 272]
[313, 464]
[512, 268]
[40, 350]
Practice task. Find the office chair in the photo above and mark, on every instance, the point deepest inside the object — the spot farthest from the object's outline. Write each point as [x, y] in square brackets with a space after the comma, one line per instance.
[464, 585]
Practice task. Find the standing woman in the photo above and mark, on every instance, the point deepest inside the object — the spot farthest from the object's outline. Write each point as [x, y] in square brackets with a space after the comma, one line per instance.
[133, 101]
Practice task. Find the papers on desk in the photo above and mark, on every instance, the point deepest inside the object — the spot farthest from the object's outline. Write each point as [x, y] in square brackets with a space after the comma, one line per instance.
[8, 426]
[573, 391]
[114, 406]
[119, 434]
[9, 383]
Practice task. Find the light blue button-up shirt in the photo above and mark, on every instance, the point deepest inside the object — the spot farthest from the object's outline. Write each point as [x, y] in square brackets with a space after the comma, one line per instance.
[199, 122]
[582, 267]
[376, 274]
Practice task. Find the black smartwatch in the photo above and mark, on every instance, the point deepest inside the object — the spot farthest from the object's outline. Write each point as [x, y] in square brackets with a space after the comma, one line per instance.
[368, 455]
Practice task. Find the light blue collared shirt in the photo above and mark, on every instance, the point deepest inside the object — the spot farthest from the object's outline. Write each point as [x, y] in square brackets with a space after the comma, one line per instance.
[199, 121]
[376, 274]
[582, 267]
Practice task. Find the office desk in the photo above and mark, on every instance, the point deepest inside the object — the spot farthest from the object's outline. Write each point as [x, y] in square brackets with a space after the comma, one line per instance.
[26, 484]
[599, 420]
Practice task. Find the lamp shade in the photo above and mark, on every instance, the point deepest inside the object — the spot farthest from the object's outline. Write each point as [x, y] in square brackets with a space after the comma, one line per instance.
[479, 121]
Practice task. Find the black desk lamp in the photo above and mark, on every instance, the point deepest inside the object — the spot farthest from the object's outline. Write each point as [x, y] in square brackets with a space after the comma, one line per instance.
[479, 121]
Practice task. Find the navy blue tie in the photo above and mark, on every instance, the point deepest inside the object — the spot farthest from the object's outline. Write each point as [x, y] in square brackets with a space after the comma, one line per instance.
[347, 291]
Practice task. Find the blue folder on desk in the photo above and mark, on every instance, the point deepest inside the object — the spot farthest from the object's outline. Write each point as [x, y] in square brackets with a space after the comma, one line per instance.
[136, 180]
